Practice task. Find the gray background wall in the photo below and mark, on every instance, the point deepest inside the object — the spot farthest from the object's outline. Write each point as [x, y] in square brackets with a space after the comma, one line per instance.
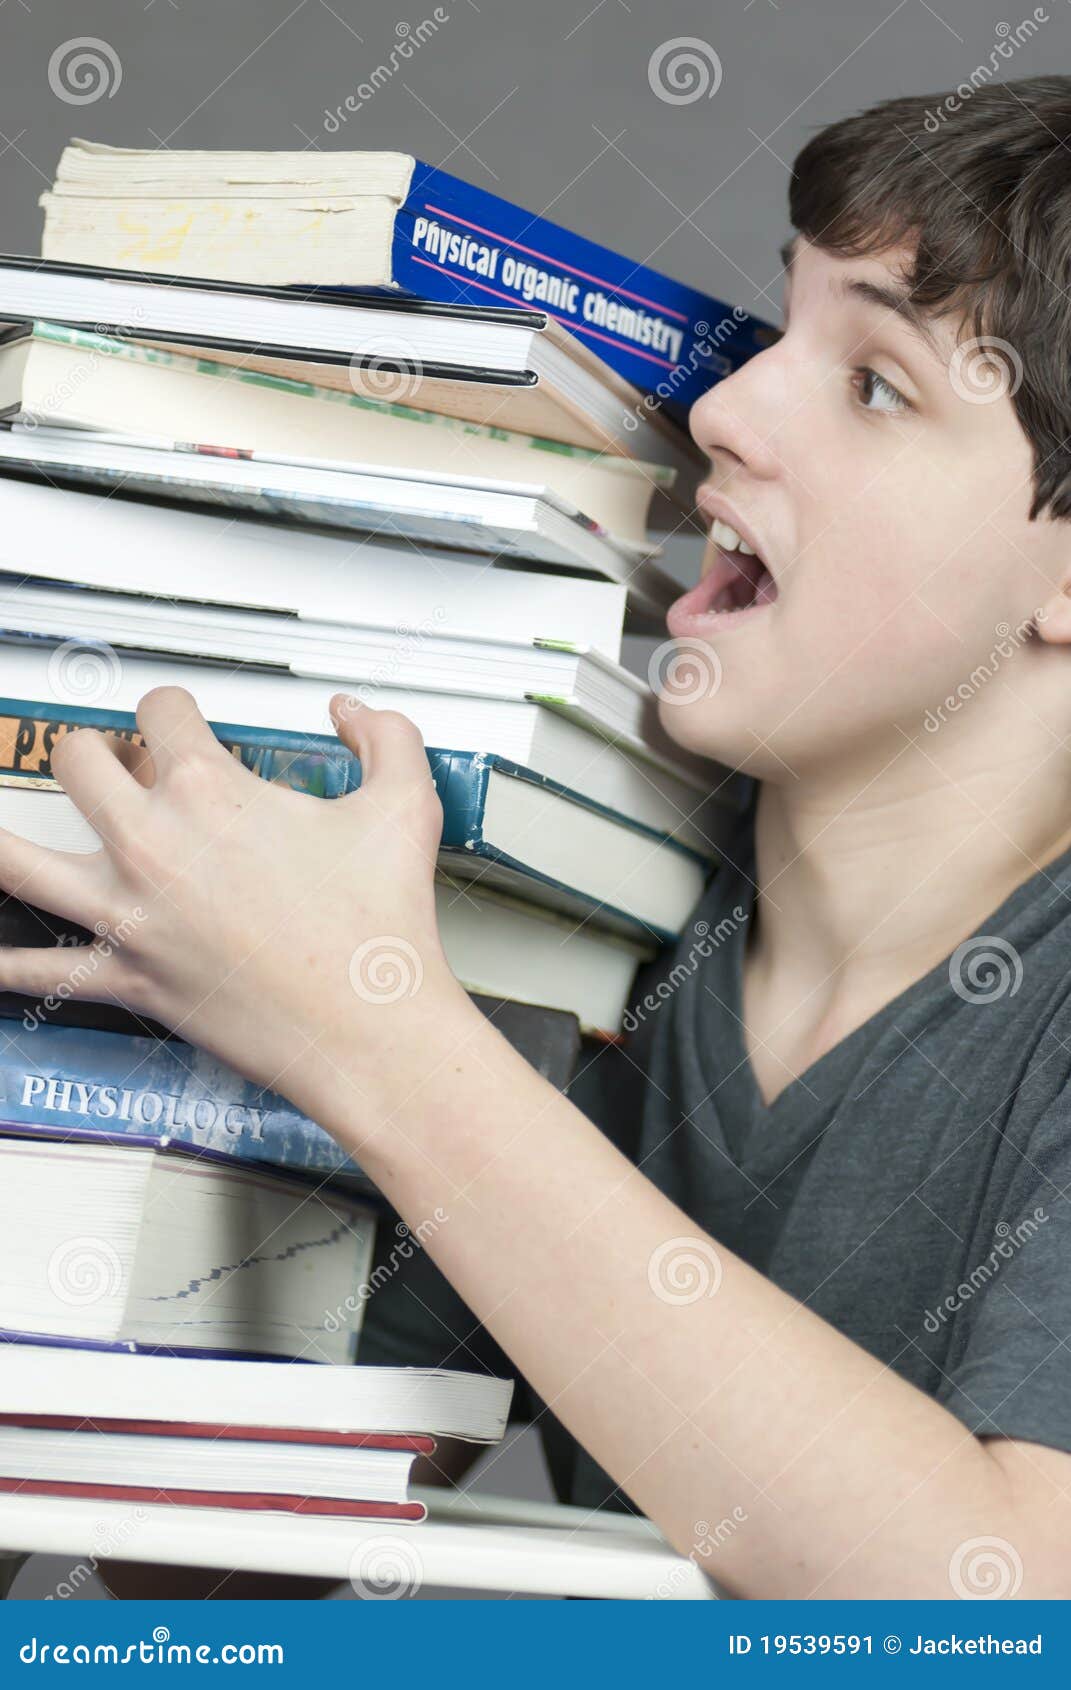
[550, 104]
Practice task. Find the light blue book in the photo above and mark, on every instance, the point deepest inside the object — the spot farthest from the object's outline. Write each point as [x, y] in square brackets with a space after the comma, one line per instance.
[82, 1082]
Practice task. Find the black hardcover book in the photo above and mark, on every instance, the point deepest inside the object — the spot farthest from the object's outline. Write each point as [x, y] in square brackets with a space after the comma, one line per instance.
[547, 1038]
[192, 311]
[25, 925]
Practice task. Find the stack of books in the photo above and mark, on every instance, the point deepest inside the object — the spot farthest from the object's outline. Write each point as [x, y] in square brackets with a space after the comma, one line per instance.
[328, 344]
[276, 426]
[206, 1434]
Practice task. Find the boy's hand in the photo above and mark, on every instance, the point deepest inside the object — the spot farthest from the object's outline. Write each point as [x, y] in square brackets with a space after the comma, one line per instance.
[250, 919]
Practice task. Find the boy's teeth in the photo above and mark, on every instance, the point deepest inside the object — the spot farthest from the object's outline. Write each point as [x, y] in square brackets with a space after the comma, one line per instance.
[723, 534]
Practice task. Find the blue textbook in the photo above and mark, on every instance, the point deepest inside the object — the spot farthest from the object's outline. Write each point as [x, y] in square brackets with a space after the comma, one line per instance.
[505, 825]
[83, 1082]
[459, 244]
[59, 1080]
[377, 219]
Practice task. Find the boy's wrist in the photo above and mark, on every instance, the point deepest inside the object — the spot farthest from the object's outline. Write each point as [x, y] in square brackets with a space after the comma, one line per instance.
[376, 1060]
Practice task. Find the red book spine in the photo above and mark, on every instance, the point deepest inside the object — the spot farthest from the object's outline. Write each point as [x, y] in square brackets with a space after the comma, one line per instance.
[417, 1445]
[245, 1500]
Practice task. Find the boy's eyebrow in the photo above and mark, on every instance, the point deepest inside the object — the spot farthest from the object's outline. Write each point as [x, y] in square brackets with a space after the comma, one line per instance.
[885, 298]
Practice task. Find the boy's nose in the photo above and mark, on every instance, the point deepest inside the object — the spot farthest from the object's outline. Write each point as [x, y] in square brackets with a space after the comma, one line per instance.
[736, 422]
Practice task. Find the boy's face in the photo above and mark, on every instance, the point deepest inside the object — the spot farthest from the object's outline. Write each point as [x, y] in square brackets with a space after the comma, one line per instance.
[878, 468]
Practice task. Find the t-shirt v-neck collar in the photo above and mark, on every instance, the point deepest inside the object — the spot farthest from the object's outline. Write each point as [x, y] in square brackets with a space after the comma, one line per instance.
[805, 1106]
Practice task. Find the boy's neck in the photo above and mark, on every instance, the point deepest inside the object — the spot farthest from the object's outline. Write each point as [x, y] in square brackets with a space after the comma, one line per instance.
[868, 879]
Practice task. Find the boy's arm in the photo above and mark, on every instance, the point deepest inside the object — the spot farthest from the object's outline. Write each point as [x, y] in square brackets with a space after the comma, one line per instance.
[716, 1401]
[296, 939]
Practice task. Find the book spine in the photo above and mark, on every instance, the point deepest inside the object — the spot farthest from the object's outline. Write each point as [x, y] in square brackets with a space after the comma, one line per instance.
[319, 765]
[461, 782]
[29, 732]
[73, 1080]
[128, 1346]
[188, 361]
[458, 244]
[276, 1503]
[316, 764]
[400, 1442]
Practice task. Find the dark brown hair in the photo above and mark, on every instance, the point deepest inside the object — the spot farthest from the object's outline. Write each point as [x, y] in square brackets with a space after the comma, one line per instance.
[976, 183]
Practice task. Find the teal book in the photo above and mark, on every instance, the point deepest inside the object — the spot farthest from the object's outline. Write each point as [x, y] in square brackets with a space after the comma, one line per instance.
[512, 829]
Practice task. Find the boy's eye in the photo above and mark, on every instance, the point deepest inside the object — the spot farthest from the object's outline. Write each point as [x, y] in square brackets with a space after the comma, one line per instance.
[877, 394]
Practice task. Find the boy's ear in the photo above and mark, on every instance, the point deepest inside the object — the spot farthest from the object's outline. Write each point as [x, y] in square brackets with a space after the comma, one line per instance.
[1053, 619]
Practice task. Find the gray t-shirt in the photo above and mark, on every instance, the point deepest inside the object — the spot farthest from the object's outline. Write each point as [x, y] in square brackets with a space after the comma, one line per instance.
[911, 1187]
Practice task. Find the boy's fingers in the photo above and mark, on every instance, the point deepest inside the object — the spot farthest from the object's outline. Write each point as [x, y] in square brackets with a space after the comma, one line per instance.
[174, 729]
[94, 778]
[135, 759]
[388, 745]
[60, 881]
[53, 971]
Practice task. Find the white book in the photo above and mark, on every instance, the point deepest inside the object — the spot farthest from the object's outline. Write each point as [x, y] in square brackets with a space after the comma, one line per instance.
[61, 379]
[497, 944]
[522, 521]
[126, 546]
[170, 1462]
[102, 1385]
[505, 948]
[143, 1244]
[508, 345]
[665, 796]
[591, 689]
[495, 349]
[490, 1545]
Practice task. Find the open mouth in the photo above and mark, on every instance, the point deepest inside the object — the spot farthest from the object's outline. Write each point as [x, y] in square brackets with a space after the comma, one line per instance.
[736, 586]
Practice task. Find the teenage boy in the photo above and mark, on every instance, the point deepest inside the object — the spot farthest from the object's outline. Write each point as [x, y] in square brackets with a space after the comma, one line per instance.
[812, 1277]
